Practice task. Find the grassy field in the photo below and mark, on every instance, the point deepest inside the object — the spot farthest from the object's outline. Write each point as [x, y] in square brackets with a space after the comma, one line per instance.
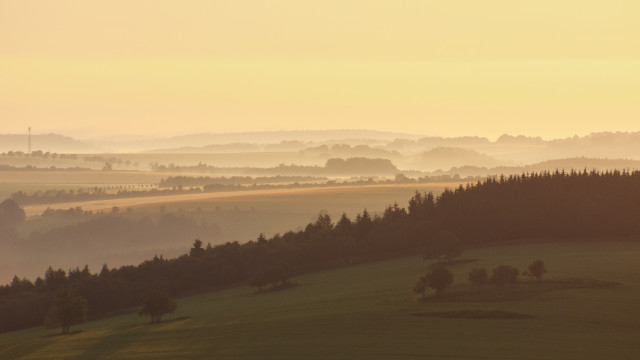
[364, 312]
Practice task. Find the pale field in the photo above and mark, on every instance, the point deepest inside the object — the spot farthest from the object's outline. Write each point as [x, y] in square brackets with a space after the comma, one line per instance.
[37, 180]
[333, 191]
[80, 177]
[33, 181]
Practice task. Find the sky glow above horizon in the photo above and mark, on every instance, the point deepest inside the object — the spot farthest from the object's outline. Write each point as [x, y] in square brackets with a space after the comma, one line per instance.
[447, 68]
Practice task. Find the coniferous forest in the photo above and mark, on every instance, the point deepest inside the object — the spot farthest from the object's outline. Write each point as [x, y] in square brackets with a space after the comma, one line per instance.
[561, 205]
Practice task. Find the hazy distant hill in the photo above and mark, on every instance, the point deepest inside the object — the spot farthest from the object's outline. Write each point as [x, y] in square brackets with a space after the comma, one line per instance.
[447, 157]
[256, 137]
[604, 144]
[46, 142]
[244, 147]
[587, 163]
[406, 145]
[215, 148]
[346, 150]
[568, 164]
[315, 147]
[360, 167]
[520, 139]
[526, 150]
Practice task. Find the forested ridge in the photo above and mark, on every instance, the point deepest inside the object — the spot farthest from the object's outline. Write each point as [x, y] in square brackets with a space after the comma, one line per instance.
[540, 205]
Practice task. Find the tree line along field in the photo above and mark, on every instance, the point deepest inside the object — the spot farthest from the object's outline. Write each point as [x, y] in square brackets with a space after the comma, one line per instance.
[365, 312]
[284, 210]
[241, 216]
[41, 180]
[376, 191]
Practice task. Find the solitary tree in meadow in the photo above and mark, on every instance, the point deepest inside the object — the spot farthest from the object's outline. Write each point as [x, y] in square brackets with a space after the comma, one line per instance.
[536, 269]
[156, 304]
[438, 278]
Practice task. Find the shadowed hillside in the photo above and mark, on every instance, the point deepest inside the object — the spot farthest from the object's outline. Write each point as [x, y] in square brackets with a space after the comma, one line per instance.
[546, 205]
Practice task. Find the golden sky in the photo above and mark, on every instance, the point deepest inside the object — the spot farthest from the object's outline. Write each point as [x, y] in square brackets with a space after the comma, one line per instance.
[449, 67]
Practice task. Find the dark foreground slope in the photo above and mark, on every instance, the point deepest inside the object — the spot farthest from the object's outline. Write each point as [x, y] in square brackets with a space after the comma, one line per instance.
[562, 205]
[364, 312]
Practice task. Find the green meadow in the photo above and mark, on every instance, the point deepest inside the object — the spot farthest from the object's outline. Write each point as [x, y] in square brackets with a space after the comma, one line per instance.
[364, 311]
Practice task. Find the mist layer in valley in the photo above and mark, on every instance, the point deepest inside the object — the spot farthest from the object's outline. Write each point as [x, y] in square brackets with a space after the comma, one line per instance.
[253, 153]
[128, 235]
[68, 173]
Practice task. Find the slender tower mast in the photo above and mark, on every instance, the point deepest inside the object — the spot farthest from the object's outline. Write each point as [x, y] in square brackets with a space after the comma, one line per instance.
[29, 141]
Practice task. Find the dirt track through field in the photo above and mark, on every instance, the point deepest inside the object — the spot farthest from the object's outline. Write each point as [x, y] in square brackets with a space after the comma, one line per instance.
[123, 203]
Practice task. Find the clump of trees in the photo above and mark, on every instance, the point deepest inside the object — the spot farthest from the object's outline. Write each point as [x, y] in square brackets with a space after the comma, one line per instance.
[437, 278]
[277, 275]
[156, 304]
[504, 275]
[536, 269]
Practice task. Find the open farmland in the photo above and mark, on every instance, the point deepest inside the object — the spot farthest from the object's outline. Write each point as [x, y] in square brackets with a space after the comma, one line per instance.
[364, 312]
[41, 180]
[80, 177]
[374, 197]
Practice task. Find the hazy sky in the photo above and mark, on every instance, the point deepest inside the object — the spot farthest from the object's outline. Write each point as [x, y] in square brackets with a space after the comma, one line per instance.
[549, 68]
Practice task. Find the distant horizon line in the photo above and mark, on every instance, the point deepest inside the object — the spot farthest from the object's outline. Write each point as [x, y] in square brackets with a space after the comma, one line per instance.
[140, 136]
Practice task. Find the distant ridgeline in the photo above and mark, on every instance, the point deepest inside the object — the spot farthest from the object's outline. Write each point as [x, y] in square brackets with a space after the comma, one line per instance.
[560, 204]
[175, 181]
[355, 166]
